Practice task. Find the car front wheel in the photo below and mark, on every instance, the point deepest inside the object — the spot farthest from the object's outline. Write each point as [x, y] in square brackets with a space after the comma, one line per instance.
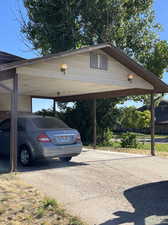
[25, 156]
[65, 159]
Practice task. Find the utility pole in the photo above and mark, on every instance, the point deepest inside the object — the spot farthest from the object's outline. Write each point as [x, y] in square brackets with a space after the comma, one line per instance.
[153, 151]
[14, 129]
[94, 124]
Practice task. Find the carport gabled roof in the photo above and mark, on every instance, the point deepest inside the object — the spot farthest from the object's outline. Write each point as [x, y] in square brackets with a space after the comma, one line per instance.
[8, 58]
[114, 52]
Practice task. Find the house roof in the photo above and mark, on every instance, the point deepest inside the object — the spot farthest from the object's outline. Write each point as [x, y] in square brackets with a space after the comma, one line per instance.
[161, 112]
[8, 58]
[26, 62]
[116, 53]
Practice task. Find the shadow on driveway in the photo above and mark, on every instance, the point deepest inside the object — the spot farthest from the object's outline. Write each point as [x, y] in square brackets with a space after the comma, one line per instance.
[49, 164]
[147, 200]
[38, 165]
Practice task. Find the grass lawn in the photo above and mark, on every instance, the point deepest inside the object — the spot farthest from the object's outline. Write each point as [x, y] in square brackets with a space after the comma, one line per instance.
[143, 148]
[21, 204]
[140, 135]
[162, 149]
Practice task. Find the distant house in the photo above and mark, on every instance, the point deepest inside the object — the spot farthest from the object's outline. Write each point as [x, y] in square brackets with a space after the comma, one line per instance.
[161, 117]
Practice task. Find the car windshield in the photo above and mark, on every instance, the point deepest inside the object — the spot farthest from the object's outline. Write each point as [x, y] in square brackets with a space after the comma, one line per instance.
[49, 123]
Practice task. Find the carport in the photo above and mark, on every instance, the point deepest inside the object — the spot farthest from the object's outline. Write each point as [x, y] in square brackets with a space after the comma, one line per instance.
[94, 72]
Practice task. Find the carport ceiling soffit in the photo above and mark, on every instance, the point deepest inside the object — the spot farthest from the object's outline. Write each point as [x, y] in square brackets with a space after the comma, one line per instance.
[51, 87]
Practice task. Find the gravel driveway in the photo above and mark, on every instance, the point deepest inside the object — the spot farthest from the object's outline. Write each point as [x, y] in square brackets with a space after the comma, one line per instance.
[107, 188]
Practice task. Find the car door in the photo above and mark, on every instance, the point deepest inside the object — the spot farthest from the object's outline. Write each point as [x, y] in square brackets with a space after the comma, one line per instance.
[5, 137]
[21, 131]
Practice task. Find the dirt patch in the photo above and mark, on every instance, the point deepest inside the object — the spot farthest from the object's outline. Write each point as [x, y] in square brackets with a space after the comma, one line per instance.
[21, 204]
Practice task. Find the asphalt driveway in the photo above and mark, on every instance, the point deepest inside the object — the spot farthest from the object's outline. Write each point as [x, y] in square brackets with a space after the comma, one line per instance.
[106, 188]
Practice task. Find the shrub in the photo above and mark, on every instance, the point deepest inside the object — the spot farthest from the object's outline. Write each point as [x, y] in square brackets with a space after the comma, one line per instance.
[128, 140]
[40, 213]
[49, 203]
[108, 135]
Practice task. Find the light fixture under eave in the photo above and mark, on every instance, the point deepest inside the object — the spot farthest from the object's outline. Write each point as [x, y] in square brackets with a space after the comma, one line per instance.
[58, 93]
[130, 77]
[64, 68]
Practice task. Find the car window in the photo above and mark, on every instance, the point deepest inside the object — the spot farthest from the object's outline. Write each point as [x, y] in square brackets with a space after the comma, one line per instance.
[6, 124]
[21, 124]
[49, 123]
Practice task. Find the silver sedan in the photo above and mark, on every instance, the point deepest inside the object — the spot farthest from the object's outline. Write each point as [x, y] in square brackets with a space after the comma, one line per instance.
[41, 137]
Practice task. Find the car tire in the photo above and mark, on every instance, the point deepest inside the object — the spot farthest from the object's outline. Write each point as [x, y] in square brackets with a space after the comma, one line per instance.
[25, 156]
[65, 159]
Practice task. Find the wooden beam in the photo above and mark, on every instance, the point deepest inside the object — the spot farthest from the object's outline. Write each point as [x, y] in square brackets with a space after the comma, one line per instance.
[13, 129]
[31, 104]
[153, 151]
[5, 87]
[13, 133]
[94, 124]
[54, 105]
[100, 95]
[42, 97]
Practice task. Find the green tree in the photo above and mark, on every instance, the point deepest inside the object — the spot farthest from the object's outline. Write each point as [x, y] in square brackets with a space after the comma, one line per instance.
[47, 112]
[80, 117]
[144, 119]
[130, 117]
[56, 25]
[157, 62]
[52, 25]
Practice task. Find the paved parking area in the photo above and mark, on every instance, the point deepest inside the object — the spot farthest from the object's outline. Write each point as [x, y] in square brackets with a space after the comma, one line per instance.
[106, 188]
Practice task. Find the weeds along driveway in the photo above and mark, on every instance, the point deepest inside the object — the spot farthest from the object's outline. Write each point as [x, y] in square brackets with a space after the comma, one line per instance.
[106, 188]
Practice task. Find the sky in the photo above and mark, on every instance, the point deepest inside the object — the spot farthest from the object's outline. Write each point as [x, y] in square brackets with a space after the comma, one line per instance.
[13, 42]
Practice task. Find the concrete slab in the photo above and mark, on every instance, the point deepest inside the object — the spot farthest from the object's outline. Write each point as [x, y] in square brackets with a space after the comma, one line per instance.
[107, 188]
